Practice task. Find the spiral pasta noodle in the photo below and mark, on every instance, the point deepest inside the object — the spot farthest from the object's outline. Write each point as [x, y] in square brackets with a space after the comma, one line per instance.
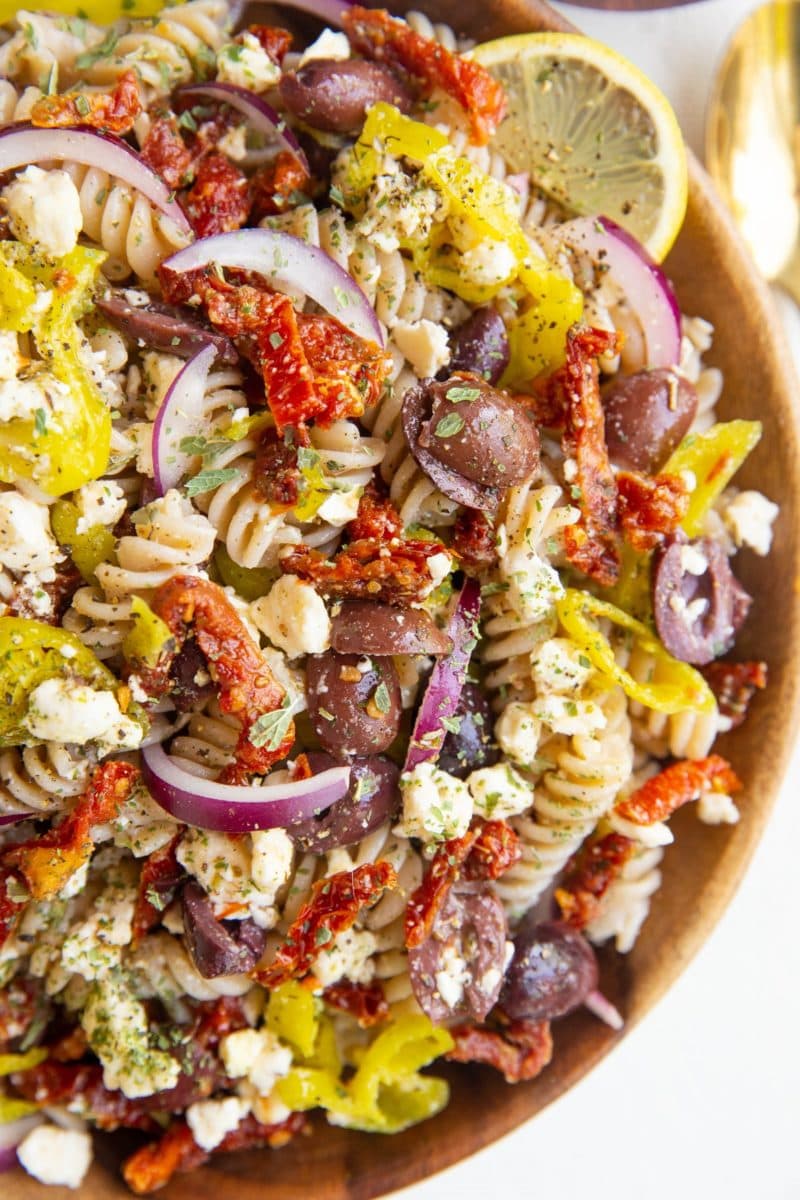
[172, 538]
[41, 779]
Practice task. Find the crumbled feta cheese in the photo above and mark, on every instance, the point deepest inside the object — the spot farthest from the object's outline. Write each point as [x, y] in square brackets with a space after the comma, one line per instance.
[100, 503]
[94, 946]
[425, 344]
[490, 263]
[141, 825]
[273, 854]
[10, 360]
[117, 1026]
[56, 1156]
[750, 516]
[330, 45]
[533, 585]
[294, 617]
[439, 567]
[211, 1120]
[715, 808]
[62, 710]
[560, 666]
[140, 438]
[269, 1110]
[34, 398]
[350, 956]
[340, 507]
[499, 791]
[158, 374]
[693, 561]
[45, 210]
[570, 717]
[398, 208]
[233, 143]
[26, 543]
[246, 64]
[436, 805]
[224, 866]
[257, 1055]
[452, 976]
[517, 732]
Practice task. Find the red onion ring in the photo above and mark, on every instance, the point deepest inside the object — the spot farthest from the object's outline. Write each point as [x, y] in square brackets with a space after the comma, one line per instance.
[329, 11]
[23, 144]
[285, 261]
[447, 680]
[260, 116]
[180, 416]
[646, 289]
[11, 1134]
[231, 809]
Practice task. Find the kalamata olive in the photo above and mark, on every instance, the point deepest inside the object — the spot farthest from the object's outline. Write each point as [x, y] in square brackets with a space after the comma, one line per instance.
[353, 702]
[480, 345]
[217, 947]
[373, 798]
[470, 747]
[458, 970]
[334, 96]
[698, 603]
[163, 327]
[647, 415]
[552, 971]
[361, 627]
[191, 683]
[480, 432]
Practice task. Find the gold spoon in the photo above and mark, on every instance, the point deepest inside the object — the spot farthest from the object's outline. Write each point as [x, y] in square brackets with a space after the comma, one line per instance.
[753, 138]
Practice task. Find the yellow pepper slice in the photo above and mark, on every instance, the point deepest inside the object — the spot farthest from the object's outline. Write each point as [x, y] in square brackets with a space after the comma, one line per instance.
[293, 1014]
[102, 12]
[22, 1062]
[713, 457]
[673, 687]
[88, 549]
[17, 298]
[12, 1109]
[64, 448]
[149, 639]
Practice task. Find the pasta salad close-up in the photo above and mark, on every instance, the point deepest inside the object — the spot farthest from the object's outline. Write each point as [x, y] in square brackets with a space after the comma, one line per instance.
[367, 567]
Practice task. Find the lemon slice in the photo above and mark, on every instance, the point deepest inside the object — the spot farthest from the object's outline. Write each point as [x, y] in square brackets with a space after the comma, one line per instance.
[594, 132]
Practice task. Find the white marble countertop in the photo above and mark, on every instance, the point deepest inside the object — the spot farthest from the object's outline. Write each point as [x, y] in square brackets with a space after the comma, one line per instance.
[702, 1101]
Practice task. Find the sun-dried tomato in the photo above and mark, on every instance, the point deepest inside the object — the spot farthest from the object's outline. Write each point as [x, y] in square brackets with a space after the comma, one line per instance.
[219, 199]
[276, 41]
[71, 1047]
[81, 1085]
[47, 862]
[246, 685]
[176, 1151]
[279, 185]
[379, 36]
[166, 152]
[650, 508]
[659, 797]
[734, 685]
[591, 544]
[333, 907]
[19, 1004]
[377, 517]
[276, 475]
[520, 1051]
[394, 572]
[159, 878]
[364, 1001]
[113, 112]
[589, 876]
[349, 371]
[496, 849]
[427, 901]
[216, 1019]
[474, 541]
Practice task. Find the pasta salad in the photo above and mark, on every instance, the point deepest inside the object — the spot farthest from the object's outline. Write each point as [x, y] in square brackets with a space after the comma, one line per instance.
[366, 542]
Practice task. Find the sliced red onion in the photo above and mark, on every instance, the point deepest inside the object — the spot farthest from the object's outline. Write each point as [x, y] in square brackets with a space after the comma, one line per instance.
[12, 1133]
[597, 1004]
[23, 144]
[447, 680]
[232, 809]
[329, 11]
[11, 818]
[646, 289]
[261, 117]
[285, 261]
[180, 416]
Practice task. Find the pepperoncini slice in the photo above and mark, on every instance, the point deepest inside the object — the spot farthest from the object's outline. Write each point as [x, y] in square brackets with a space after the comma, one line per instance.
[293, 1014]
[87, 549]
[68, 443]
[12, 1109]
[482, 211]
[30, 653]
[713, 458]
[387, 1093]
[17, 298]
[102, 12]
[150, 639]
[22, 1062]
[673, 686]
[250, 582]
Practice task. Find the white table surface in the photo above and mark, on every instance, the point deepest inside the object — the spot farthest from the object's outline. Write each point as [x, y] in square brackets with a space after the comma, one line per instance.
[702, 1101]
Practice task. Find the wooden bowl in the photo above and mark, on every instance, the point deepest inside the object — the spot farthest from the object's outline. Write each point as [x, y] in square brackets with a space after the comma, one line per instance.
[714, 278]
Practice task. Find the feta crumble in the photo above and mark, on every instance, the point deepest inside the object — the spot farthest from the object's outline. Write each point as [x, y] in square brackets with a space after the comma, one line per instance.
[750, 516]
[425, 344]
[63, 710]
[26, 543]
[294, 617]
[44, 208]
[211, 1120]
[246, 64]
[56, 1156]
[518, 731]
[436, 805]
